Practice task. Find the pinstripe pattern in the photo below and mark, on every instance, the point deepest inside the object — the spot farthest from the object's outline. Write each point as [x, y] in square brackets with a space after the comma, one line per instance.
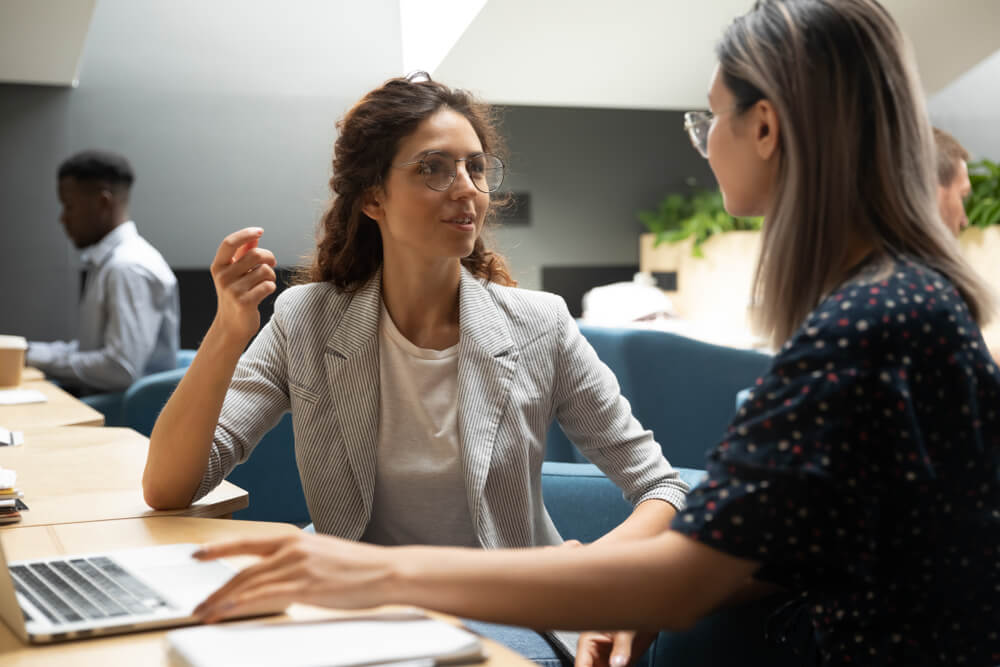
[522, 363]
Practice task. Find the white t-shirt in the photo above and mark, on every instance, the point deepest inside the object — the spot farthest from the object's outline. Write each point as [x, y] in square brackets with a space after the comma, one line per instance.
[420, 495]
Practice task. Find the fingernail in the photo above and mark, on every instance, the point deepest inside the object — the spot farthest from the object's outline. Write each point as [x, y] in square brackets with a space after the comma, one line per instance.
[618, 660]
[200, 553]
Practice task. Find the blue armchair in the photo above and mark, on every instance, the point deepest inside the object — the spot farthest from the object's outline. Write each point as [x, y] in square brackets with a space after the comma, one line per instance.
[112, 404]
[681, 389]
[684, 391]
[270, 475]
[583, 503]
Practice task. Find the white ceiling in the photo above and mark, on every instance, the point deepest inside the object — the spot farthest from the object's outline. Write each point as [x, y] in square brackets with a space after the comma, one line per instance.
[658, 54]
[654, 54]
[41, 41]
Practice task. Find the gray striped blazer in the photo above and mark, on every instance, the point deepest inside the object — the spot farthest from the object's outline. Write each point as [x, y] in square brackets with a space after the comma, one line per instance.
[522, 363]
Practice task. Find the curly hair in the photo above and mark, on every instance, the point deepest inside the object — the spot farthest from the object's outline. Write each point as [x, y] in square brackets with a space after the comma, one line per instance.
[349, 245]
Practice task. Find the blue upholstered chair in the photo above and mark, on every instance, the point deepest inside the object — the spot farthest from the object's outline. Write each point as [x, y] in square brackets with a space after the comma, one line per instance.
[684, 391]
[112, 404]
[109, 405]
[583, 503]
[681, 389]
[270, 475]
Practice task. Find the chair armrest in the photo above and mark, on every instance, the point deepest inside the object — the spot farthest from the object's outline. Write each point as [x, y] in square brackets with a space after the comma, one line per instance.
[584, 504]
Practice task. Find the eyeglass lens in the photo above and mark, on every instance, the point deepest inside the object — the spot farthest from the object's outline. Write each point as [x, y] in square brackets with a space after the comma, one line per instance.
[485, 170]
[698, 124]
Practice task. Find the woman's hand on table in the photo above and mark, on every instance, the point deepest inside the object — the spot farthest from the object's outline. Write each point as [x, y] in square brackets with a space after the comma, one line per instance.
[311, 569]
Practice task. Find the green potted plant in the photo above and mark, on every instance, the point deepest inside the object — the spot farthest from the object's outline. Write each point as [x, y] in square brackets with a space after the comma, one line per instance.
[697, 216]
[983, 204]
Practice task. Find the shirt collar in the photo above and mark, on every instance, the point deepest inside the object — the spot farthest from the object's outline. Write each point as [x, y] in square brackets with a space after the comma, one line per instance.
[94, 255]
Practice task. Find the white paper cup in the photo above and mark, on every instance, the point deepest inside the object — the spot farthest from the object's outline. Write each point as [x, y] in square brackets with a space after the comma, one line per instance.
[11, 360]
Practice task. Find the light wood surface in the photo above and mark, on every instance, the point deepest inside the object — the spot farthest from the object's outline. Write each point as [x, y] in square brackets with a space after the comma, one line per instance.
[62, 409]
[31, 374]
[79, 473]
[144, 648]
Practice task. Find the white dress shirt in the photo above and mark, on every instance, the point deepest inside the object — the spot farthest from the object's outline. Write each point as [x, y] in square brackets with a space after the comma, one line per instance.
[129, 317]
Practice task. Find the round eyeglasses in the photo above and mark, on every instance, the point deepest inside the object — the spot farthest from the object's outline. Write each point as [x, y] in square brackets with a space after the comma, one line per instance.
[439, 170]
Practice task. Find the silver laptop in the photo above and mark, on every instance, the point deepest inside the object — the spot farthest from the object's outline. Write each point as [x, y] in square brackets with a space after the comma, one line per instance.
[71, 597]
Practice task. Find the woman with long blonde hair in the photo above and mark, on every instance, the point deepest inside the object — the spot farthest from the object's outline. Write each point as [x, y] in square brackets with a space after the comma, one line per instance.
[861, 476]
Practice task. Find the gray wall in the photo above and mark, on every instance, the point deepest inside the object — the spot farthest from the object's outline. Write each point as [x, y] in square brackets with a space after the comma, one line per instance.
[226, 110]
[968, 108]
[588, 172]
[226, 127]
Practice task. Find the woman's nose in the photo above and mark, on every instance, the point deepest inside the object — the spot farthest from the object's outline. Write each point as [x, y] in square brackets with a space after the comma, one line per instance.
[462, 185]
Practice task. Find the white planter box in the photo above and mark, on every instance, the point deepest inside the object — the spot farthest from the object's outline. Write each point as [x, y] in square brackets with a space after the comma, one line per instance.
[981, 247]
[714, 288]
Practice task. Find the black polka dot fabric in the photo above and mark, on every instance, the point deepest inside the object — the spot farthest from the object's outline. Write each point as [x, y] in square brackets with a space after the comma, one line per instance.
[862, 473]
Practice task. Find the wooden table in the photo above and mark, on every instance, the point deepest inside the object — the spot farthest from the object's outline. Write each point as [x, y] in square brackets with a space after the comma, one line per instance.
[144, 648]
[31, 374]
[79, 473]
[62, 409]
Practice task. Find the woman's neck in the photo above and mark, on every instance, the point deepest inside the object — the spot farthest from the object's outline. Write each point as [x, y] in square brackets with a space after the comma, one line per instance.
[422, 301]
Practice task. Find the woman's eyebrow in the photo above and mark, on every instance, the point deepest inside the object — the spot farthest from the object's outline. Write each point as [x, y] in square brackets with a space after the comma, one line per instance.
[437, 151]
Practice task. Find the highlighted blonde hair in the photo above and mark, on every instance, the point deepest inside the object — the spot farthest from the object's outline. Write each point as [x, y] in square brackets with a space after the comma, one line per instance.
[857, 162]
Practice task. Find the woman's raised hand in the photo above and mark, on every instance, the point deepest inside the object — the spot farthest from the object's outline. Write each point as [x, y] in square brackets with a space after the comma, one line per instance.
[243, 275]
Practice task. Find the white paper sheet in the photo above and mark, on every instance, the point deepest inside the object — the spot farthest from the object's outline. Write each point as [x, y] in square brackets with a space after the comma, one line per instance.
[332, 643]
[20, 396]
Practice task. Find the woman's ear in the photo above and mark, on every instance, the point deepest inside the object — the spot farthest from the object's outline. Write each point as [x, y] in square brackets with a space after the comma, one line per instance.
[768, 129]
[371, 204]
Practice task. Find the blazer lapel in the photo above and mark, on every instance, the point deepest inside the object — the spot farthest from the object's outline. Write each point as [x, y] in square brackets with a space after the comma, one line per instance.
[352, 368]
[487, 360]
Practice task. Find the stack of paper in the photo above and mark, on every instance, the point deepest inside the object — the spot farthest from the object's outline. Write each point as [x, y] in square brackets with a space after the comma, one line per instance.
[10, 497]
[409, 638]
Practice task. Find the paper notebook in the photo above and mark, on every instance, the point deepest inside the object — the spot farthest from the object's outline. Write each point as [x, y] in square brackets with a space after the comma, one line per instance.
[406, 637]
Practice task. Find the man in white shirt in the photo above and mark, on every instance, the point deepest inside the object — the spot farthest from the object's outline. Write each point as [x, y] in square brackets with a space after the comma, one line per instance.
[129, 303]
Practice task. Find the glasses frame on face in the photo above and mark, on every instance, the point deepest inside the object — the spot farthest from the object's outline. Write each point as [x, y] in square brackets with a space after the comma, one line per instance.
[694, 121]
[454, 172]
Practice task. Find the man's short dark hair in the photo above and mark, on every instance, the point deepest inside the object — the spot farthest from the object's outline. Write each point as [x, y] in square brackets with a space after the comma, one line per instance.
[949, 154]
[99, 166]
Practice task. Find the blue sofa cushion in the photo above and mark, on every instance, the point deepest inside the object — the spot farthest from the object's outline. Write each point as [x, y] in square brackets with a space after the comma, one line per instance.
[681, 389]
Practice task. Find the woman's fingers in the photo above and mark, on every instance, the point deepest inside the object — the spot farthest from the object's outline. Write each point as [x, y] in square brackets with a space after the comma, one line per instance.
[245, 248]
[279, 554]
[253, 258]
[241, 589]
[257, 600]
[593, 649]
[621, 648]
[250, 547]
[245, 284]
[230, 245]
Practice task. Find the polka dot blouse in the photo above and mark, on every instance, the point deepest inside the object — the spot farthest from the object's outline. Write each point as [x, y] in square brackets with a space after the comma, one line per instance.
[862, 473]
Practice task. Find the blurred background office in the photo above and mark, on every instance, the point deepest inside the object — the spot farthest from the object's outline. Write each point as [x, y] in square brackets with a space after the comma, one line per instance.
[227, 109]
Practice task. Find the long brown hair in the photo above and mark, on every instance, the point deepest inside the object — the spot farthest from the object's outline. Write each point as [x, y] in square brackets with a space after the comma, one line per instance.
[857, 159]
[349, 247]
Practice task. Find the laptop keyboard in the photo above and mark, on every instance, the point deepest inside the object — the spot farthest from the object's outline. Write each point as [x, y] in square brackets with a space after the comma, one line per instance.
[84, 588]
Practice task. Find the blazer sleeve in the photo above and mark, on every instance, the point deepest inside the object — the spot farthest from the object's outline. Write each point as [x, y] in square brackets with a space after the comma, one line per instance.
[598, 420]
[256, 400]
